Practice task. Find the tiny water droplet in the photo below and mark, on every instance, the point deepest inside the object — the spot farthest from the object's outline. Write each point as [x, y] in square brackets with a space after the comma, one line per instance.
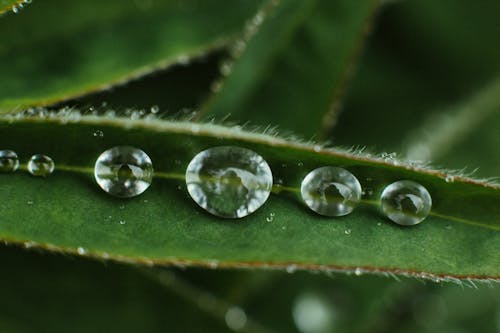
[331, 191]
[358, 271]
[124, 171]
[30, 202]
[379, 223]
[122, 222]
[98, 134]
[228, 181]
[450, 178]
[347, 231]
[300, 164]
[270, 218]
[81, 250]
[145, 201]
[41, 165]
[406, 202]
[122, 207]
[291, 269]
[155, 109]
[15, 9]
[235, 318]
[9, 161]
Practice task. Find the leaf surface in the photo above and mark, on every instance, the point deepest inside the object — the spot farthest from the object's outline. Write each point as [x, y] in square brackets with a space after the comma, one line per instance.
[292, 70]
[62, 49]
[67, 211]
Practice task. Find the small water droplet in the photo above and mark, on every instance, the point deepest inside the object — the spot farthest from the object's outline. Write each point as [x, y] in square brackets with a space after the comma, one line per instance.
[235, 318]
[406, 202]
[30, 202]
[229, 182]
[155, 109]
[124, 171]
[291, 269]
[379, 223]
[15, 9]
[9, 161]
[122, 222]
[300, 164]
[145, 201]
[270, 218]
[283, 228]
[81, 250]
[331, 191]
[358, 271]
[347, 231]
[41, 165]
[450, 178]
[122, 207]
[98, 134]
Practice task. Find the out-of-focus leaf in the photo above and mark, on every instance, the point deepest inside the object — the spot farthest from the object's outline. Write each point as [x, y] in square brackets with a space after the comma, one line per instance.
[423, 57]
[293, 69]
[69, 212]
[467, 135]
[63, 49]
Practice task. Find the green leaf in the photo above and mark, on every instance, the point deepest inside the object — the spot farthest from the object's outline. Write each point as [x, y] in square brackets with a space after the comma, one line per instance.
[68, 212]
[6, 5]
[292, 70]
[423, 57]
[466, 135]
[60, 49]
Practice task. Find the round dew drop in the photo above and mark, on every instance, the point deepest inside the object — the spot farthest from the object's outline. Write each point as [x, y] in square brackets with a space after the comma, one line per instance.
[406, 202]
[41, 165]
[9, 161]
[230, 182]
[331, 191]
[123, 171]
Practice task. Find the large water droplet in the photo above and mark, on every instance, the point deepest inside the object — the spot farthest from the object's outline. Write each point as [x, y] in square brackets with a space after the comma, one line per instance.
[229, 182]
[406, 202]
[124, 171]
[9, 161]
[331, 191]
[41, 165]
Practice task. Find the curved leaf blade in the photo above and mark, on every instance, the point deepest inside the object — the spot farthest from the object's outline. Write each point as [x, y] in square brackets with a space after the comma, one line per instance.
[60, 49]
[293, 69]
[68, 212]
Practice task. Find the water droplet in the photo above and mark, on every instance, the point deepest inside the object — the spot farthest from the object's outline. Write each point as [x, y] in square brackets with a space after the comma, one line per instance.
[300, 164]
[229, 182]
[270, 218]
[450, 178]
[81, 250]
[9, 161]
[291, 269]
[358, 271]
[347, 231]
[124, 171]
[122, 222]
[41, 165]
[406, 202]
[30, 202]
[313, 313]
[331, 191]
[15, 9]
[235, 318]
[155, 109]
[98, 134]
[379, 223]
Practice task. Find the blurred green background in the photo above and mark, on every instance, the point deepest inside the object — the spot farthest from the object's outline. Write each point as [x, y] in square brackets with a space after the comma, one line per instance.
[421, 57]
